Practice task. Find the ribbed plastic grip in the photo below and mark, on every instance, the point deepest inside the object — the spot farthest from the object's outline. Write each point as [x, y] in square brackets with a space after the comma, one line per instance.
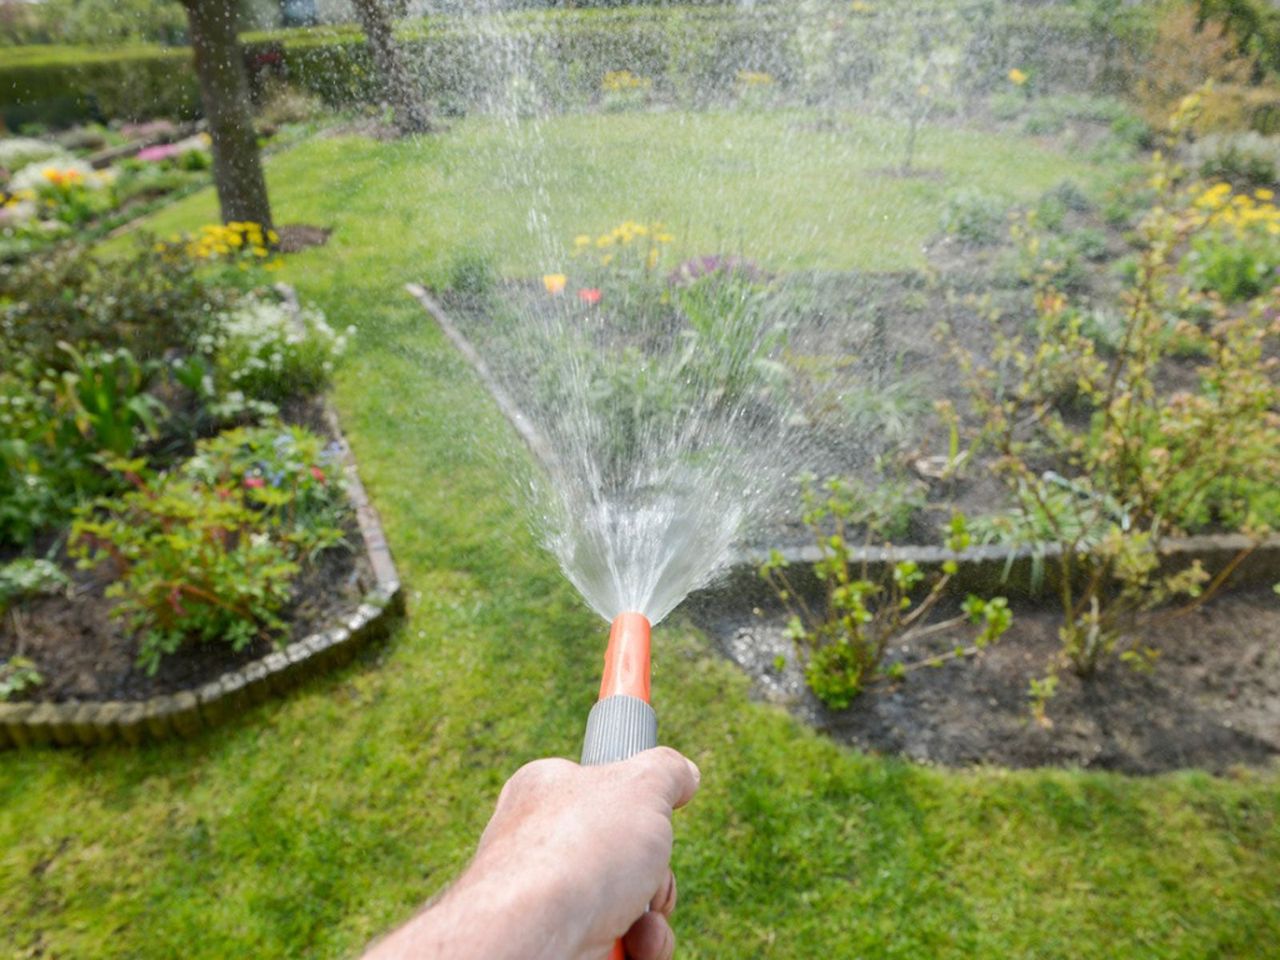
[617, 728]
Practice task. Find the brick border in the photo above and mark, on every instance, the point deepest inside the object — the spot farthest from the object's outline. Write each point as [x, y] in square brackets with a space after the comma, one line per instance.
[187, 713]
[994, 569]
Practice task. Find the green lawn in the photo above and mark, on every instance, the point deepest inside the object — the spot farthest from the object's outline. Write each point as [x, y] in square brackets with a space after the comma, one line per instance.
[314, 823]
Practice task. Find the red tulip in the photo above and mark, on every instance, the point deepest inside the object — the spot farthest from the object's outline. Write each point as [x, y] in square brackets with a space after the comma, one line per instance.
[589, 295]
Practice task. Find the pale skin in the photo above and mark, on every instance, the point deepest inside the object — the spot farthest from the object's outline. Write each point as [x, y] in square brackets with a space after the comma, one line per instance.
[573, 858]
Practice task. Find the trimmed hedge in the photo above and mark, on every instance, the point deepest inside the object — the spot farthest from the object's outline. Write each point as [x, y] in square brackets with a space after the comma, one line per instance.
[691, 53]
[66, 85]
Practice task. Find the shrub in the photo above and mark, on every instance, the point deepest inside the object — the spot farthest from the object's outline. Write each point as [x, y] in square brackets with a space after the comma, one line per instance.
[272, 351]
[147, 303]
[1235, 251]
[200, 557]
[53, 431]
[1148, 459]
[18, 152]
[1245, 159]
[60, 86]
[976, 217]
[472, 273]
[843, 643]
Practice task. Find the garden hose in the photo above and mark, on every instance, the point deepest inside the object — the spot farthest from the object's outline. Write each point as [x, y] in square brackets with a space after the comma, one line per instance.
[622, 722]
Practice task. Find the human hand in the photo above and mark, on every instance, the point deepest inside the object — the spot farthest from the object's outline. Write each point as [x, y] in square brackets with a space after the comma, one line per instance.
[569, 862]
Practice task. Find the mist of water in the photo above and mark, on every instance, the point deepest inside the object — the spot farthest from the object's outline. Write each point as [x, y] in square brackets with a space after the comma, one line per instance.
[642, 504]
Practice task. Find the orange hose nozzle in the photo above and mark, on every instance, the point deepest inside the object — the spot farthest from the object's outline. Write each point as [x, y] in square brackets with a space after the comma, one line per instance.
[626, 661]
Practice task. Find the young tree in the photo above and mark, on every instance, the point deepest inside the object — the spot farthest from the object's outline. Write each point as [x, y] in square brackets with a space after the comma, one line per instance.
[224, 91]
[394, 79]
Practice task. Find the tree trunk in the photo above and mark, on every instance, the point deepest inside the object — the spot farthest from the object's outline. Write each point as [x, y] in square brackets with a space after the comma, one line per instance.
[396, 85]
[224, 91]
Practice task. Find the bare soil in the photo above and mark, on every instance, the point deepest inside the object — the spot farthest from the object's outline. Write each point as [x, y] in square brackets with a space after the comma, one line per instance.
[84, 654]
[295, 237]
[1211, 701]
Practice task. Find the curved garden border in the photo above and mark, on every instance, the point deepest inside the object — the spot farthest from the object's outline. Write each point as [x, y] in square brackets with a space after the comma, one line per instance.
[187, 713]
[1016, 571]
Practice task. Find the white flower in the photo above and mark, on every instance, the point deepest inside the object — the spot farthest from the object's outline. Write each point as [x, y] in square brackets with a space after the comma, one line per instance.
[37, 176]
[18, 152]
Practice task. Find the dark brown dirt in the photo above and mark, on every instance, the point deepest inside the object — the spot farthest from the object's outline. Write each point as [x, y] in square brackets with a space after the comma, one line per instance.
[83, 653]
[295, 237]
[1211, 701]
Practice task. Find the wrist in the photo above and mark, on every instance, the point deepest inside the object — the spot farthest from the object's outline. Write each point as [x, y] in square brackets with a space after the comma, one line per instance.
[496, 911]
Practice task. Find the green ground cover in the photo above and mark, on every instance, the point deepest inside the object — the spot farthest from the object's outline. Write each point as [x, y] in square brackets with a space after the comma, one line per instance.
[312, 824]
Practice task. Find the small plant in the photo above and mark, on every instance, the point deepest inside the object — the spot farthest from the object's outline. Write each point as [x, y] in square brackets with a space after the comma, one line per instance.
[288, 472]
[623, 90]
[67, 191]
[844, 643]
[472, 274]
[208, 553]
[17, 675]
[104, 395]
[1244, 159]
[26, 577]
[975, 217]
[1235, 250]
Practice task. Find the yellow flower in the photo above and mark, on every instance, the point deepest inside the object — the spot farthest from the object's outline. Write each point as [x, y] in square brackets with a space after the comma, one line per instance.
[606, 259]
[554, 282]
[273, 236]
[1017, 77]
[1264, 194]
[754, 78]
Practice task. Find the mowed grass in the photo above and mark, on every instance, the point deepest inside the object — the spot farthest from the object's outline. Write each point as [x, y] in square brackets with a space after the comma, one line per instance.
[312, 824]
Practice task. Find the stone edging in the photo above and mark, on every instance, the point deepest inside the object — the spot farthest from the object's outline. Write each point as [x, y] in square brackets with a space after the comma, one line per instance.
[187, 713]
[1013, 571]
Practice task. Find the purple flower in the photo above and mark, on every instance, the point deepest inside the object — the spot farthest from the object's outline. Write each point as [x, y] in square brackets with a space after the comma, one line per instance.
[711, 264]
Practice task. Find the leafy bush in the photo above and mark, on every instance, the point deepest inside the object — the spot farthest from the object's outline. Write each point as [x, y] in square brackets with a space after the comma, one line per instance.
[271, 351]
[1235, 251]
[200, 557]
[843, 644]
[53, 432]
[1148, 459]
[147, 303]
[292, 475]
[59, 86]
[1245, 159]
[976, 217]
[472, 273]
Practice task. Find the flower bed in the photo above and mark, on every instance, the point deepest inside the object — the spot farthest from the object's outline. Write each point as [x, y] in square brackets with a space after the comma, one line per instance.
[51, 190]
[174, 502]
